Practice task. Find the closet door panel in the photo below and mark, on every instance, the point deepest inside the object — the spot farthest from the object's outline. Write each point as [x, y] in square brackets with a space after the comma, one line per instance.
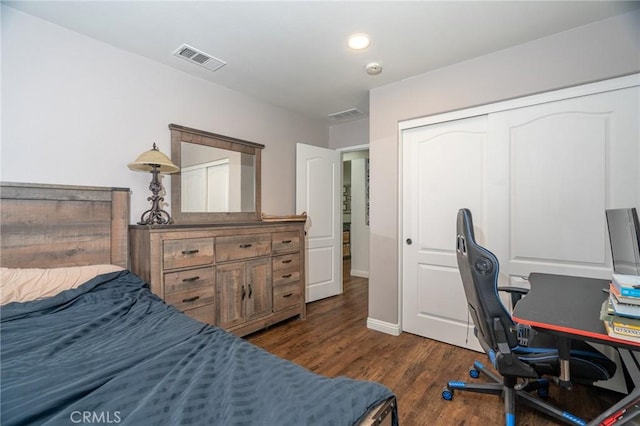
[558, 171]
[568, 161]
[444, 170]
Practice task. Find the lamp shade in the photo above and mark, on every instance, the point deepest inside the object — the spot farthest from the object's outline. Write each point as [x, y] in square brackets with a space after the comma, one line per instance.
[153, 157]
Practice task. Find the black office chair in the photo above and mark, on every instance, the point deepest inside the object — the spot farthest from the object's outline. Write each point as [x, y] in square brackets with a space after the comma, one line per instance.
[521, 356]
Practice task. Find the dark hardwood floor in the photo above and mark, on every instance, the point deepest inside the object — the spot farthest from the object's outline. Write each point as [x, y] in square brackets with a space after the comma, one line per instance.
[335, 341]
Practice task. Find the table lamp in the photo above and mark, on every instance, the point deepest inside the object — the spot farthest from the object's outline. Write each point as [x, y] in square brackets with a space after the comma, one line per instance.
[155, 162]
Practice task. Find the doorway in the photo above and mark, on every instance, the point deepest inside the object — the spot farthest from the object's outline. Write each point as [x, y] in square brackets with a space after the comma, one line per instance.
[355, 212]
[320, 192]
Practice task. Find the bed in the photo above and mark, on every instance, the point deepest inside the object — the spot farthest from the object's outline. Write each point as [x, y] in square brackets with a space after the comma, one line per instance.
[83, 340]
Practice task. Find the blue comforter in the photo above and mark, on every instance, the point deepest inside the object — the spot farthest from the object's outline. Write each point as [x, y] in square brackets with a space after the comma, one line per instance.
[111, 352]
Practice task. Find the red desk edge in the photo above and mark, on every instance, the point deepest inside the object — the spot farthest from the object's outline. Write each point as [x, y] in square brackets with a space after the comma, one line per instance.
[597, 336]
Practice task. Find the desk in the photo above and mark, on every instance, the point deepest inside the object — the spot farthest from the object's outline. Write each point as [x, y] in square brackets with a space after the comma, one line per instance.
[569, 307]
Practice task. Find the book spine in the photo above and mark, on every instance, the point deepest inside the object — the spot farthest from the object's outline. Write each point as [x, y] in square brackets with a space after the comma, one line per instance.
[622, 324]
[612, 333]
[626, 331]
[630, 292]
[627, 300]
[626, 291]
[621, 309]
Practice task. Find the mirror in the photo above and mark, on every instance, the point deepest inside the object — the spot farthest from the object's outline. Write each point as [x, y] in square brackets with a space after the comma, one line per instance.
[219, 178]
[216, 180]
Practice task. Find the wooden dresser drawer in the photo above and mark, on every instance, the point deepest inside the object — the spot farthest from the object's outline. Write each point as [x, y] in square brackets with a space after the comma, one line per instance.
[187, 252]
[286, 269]
[175, 282]
[242, 247]
[287, 295]
[206, 313]
[190, 299]
[285, 242]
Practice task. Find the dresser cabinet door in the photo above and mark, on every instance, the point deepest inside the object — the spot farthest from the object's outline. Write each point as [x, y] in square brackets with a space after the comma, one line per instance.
[259, 296]
[244, 291]
[231, 291]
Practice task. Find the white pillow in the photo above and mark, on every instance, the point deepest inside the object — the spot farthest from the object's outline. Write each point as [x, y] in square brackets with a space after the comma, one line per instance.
[26, 284]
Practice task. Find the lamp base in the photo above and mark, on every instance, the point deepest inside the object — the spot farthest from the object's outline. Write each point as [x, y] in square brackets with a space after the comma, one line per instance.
[155, 215]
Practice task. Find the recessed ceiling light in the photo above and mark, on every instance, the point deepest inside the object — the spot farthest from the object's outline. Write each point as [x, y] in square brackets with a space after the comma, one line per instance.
[359, 41]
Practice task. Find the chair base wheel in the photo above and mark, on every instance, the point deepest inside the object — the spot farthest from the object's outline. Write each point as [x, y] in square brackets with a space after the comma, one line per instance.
[447, 394]
[474, 372]
[543, 392]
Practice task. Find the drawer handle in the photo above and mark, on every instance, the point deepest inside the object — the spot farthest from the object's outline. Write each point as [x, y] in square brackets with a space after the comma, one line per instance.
[190, 299]
[287, 295]
[287, 276]
[186, 280]
[287, 261]
[286, 241]
[245, 245]
[186, 252]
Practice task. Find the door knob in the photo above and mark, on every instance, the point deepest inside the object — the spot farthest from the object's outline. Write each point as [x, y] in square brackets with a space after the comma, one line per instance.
[409, 241]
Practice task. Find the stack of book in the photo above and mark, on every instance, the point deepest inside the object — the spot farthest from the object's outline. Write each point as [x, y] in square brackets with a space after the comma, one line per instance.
[621, 311]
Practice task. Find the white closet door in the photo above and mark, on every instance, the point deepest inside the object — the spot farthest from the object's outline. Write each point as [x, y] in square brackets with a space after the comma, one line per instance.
[567, 162]
[194, 190]
[537, 180]
[444, 168]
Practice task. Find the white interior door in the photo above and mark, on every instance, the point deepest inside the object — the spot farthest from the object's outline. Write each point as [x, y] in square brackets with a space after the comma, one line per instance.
[443, 170]
[318, 192]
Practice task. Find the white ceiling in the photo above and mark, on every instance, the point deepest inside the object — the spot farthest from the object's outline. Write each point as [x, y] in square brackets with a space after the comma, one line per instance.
[293, 54]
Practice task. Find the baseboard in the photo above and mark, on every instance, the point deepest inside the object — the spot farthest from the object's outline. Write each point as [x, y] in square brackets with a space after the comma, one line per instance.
[362, 274]
[384, 327]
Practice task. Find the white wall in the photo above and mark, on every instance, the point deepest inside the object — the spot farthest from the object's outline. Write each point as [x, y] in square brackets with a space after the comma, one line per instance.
[76, 111]
[601, 50]
[350, 133]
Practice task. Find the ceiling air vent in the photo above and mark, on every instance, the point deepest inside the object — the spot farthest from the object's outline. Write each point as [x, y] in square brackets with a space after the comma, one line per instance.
[198, 57]
[346, 114]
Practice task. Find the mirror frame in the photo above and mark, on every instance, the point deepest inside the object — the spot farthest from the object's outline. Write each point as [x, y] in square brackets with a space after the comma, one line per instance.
[181, 134]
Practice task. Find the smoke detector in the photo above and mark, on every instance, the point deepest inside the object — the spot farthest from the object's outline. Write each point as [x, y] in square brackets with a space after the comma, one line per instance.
[374, 68]
[198, 57]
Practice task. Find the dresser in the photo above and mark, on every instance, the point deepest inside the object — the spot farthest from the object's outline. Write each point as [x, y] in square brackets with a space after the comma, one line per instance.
[240, 277]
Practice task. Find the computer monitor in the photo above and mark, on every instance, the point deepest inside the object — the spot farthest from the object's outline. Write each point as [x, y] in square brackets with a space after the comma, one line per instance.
[624, 235]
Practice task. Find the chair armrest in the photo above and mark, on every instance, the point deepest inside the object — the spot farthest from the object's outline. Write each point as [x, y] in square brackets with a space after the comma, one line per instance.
[505, 361]
[512, 289]
[515, 292]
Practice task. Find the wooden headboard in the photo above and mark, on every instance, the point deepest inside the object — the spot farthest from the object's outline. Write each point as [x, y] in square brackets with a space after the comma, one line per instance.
[46, 226]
